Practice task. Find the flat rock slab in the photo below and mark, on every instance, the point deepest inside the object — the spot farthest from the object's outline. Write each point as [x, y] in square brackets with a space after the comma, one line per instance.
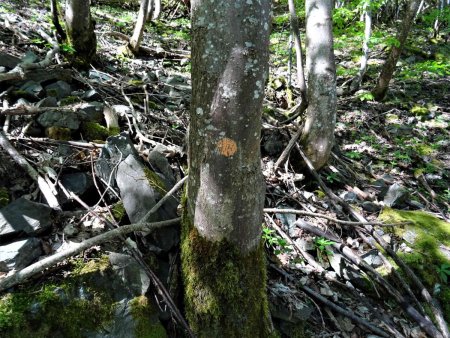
[20, 254]
[23, 216]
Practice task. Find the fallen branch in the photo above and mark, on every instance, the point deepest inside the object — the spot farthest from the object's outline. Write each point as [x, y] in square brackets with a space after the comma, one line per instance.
[360, 321]
[426, 324]
[313, 214]
[50, 261]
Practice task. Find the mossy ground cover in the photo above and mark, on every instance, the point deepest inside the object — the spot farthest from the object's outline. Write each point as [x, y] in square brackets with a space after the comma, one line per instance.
[426, 234]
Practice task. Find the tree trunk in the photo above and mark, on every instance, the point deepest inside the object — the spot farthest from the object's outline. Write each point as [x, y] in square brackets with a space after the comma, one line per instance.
[80, 31]
[298, 50]
[318, 133]
[136, 38]
[223, 262]
[380, 90]
[367, 13]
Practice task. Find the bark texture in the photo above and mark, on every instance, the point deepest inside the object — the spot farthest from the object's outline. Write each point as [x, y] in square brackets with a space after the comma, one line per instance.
[318, 133]
[145, 9]
[381, 88]
[80, 31]
[222, 257]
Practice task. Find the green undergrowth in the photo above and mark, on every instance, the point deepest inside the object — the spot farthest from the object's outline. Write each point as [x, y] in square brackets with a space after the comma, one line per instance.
[147, 322]
[426, 236]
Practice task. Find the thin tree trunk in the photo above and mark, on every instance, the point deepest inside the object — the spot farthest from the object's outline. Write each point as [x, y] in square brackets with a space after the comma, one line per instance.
[356, 83]
[136, 38]
[80, 31]
[298, 50]
[54, 9]
[318, 133]
[223, 261]
[380, 90]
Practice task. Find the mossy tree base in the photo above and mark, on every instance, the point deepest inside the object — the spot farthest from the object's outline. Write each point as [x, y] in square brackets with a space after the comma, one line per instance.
[225, 292]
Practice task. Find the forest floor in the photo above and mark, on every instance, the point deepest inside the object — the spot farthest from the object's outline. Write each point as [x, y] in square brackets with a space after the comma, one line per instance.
[384, 194]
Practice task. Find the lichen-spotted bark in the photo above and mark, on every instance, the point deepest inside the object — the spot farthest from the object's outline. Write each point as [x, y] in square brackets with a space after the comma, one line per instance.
[223, 267]
[318, 133]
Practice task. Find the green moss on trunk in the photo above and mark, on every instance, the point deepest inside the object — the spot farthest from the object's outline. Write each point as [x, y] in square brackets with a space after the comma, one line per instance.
[225, 292]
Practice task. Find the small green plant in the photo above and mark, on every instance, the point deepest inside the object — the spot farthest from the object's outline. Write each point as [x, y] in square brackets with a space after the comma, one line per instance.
[333, 177]
[278, 244]
[67, 48]
[353, 155]
[366, 96]
[444, 272]
[321, 245]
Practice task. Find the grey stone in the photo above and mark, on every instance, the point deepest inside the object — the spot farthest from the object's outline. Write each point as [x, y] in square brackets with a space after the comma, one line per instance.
[288, 221]
[49, 101]
[20, 254]
[25, 216]
[32, 88]
[372, 258]
[139, 197]
[287, 304]
[59, 119]
[130, 273]
[416, 205]
[29, 57]
[99, 76]
[410, 235]
[116, 149]
[370, 206]
[78, 183]
[396, 196]
[91, 95]
[93, 111]
[59, 89]
[159, 163]
[350, 197]
[342, 268]
[8, 61]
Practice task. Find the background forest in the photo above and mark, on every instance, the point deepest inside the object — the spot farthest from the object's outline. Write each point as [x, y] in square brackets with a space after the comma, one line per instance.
[97, 231]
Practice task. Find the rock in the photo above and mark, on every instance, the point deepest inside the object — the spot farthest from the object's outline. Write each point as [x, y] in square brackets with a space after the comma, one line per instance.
[287, 305]
[78, 183]
[20, 254]
[288, 221]
[49, 101]
[396, 195]
[410, 235]
[273, 143]
[140, 189]
[93, 111]
[59, 119]
[349, 197]
[116, 149]
[370, 206]
[91, 95]
[342, 268]
[372, 258]
[32, 89]
[8, 61]
[70, 230]
[59, 89]
[133, 277]
[23, 216]
[416, 205]
[160, 164]
[99, 76]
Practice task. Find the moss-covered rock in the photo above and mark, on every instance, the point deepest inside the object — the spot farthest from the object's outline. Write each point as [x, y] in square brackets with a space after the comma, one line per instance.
[95, 131]
[147, 322]
[426, 235]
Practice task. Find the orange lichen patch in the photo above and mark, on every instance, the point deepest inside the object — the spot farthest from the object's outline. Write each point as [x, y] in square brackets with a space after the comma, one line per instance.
[227, 147]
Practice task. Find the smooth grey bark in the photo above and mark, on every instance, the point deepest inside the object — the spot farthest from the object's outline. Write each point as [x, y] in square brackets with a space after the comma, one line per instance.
[388, 68]
[367, 14]
[138, 32]
[298, 50]
[223, 262]
[230, 67]
[80, 31]
[318, 133]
